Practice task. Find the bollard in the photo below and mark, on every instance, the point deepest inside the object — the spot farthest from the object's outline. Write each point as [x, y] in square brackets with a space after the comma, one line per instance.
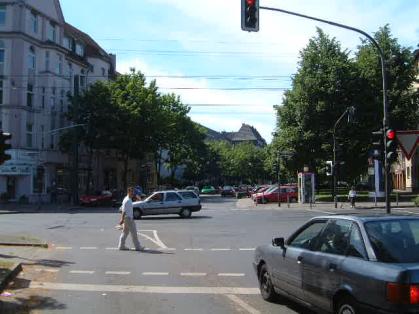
[311, 203]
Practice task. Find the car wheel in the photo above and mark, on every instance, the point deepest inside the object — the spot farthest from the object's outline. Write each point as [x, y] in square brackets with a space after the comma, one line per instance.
[346, 305]
[265, 285]
[137, 213]
[185, 213]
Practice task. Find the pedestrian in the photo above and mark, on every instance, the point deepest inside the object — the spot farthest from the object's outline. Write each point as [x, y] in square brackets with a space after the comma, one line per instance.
[127, 221]
[352, 196]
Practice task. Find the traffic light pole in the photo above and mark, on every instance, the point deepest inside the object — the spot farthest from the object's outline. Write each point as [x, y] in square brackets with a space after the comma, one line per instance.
[383, 72]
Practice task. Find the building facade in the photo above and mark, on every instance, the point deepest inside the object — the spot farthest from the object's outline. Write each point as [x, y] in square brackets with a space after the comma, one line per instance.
[43, 59]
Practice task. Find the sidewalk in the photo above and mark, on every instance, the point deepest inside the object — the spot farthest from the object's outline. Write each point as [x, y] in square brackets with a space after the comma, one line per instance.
[9, 208]
[247, 203]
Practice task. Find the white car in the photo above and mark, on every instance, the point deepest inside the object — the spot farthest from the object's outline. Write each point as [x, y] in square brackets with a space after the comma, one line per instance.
[181, 202]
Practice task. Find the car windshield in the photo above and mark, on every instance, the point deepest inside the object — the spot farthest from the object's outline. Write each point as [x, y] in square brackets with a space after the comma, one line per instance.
[395, 241]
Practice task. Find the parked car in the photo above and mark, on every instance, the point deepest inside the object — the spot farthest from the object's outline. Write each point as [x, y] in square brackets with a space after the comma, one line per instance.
[181, 202]
[259, 189]
[271, 195]
[228, 191]
[104, 198]
[192, 188]
[208, 189]
[345, 264]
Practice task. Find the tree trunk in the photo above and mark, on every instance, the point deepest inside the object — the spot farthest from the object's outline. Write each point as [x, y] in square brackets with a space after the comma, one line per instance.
[125, 173]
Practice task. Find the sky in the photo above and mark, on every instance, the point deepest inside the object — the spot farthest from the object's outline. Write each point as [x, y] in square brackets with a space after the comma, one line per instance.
[197, 50]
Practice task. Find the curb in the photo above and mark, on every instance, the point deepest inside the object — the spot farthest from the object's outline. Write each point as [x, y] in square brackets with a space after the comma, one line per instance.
[17, 268]
[42, 245]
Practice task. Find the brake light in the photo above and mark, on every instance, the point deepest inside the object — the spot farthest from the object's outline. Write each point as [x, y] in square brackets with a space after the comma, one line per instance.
[414, 294]
[402, 294]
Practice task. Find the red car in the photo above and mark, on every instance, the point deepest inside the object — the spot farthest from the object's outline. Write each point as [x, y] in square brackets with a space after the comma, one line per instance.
[258, 190]
[271, 195]
[100, 198]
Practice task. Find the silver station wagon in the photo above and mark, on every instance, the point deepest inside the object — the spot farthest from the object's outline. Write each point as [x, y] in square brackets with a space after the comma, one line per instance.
[181, 202]
[345, 264]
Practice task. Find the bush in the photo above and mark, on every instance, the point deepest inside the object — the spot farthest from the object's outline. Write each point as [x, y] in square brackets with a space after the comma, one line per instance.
[416, 201]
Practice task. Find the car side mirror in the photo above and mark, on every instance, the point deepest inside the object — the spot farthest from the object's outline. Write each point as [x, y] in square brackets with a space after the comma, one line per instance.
[278, 242]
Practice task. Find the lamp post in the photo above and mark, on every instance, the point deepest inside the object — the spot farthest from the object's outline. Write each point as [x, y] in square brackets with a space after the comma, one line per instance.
[279, 155]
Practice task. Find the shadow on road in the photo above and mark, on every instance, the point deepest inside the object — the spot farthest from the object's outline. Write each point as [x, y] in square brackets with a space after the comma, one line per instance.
[25, 305]
[174, 218]
[297, 308]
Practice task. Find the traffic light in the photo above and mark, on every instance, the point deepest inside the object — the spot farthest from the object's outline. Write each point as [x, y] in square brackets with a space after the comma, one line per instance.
[4, 146]
[377, 144]
[329, 168]
[391, 144]
[250, 15]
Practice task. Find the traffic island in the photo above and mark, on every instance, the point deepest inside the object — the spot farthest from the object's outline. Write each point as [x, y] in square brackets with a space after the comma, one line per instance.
[12, 240]
[8, 271]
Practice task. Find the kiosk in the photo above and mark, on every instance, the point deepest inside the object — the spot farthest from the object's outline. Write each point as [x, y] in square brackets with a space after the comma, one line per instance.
[306, 187]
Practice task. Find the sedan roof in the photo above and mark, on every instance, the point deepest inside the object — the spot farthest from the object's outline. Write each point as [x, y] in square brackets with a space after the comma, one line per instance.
[365, 217]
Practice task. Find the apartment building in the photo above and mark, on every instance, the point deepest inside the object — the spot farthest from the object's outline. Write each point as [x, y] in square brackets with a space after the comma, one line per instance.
[43, 59]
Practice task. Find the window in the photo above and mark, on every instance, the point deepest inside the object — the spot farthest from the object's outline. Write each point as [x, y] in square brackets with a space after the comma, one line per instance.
[39, 180]
[67, 43]
[70, 70]
[34, 22]
[29, 135]
[335, 237]
[172, 197]
[42, 136]
[305, 237]
[80, 50]
[46, 60]
[2, 14]
[103, 71]
[43, 98]
[188, 195]
[408, 172]
[31, 58]
[158, 197]
[356, 244]
[51, 32]
[59, 69]
[29, 95]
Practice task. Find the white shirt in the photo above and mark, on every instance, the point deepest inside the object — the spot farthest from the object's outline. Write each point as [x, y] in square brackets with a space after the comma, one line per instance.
[352, 193]
[127, 207]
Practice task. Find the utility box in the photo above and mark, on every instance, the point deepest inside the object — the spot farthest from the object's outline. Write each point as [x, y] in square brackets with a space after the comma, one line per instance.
[306, 187]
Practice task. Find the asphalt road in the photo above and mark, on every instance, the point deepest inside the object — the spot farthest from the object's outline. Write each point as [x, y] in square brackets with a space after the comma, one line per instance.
[196, 265]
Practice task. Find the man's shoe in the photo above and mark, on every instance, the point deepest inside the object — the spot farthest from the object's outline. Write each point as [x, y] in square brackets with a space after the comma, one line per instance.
[123, 248]
[141, 248]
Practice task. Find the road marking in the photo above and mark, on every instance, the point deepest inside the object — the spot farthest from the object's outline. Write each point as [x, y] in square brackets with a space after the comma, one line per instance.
[169, 249]
[154, 274]
[242, 304]
[144, 289]
[247, 249]
[63, 248]
[111, 248]
[88, 248]
[230, 275]
[118, 273]
[193, 274]
[82, 272]
[156, 239]
[49, 270]
[199, 249]
[215, 249]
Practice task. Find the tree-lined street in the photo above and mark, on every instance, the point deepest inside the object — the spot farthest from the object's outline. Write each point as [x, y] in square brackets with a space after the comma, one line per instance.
[201, 264]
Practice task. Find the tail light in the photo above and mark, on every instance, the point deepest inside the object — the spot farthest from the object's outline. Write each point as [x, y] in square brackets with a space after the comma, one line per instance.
[402, 294]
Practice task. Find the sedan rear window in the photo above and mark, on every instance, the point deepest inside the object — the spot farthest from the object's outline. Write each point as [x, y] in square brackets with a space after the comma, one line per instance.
[395, 241]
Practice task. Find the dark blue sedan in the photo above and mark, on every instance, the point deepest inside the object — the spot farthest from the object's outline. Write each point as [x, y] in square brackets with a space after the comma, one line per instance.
[345, 264]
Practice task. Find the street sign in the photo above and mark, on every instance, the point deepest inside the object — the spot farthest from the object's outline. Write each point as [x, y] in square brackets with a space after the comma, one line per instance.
[408, 141]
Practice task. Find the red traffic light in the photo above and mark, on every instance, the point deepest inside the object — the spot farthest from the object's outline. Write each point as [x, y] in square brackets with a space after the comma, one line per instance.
[391, 134]
[251, 2]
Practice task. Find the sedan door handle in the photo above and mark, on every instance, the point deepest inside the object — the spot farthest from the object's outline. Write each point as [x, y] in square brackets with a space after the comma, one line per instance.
[332, 267]
[299, 259]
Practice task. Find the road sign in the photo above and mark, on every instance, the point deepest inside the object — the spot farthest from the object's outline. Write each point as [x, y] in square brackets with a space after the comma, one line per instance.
[408, 141]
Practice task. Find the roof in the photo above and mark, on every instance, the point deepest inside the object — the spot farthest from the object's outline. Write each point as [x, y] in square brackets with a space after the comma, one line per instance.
[366, 217]
[92, 47]
[247, 133]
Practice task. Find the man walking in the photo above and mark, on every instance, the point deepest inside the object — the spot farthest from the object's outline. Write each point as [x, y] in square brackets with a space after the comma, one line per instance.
[127, 219]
